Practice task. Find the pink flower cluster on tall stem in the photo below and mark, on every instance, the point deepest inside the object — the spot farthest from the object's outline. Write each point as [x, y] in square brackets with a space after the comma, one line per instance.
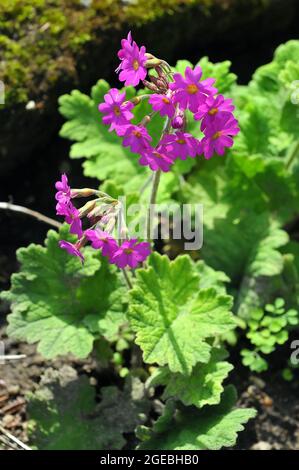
[173, 95]
[129, 253]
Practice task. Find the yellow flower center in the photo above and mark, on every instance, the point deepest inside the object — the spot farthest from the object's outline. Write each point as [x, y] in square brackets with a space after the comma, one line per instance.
[157, 154]
[181, 141]
[165, 100]
[213, 111]
[192, 89]
[216, 135]
[137, 134]
[128, 251]
[116, 110]
[135, 64]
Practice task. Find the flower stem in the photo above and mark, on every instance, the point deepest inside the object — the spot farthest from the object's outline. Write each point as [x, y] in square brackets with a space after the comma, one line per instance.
[155, 186]
[152, 201]
[127, 279]
[292, 156]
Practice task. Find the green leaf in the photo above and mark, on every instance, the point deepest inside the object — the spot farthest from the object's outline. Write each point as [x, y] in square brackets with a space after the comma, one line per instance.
[266, 78]
[54, 299]
[208, 429]
[203, 387]
[254, 361]
[211, 278]
[181, 66]
[172, 318]
[247, 246]
[256, 129]
[290, 117]
[289, 74]
[64, 414]
[243, 211]
[287, 52]
[257, 314]
[220, 71]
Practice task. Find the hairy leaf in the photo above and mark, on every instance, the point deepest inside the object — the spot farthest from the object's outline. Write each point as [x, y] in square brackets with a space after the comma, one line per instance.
[211, 428]
[54, 299]
[172, 317]
[65, 416]
[221, 72]
[203, 387]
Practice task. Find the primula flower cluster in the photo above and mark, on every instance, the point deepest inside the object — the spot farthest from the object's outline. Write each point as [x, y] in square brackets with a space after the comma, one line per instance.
[173, 96]
[102, 215]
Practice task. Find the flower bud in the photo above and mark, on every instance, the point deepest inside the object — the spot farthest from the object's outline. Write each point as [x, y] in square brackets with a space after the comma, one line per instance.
[177, 122]
[152, 61]
[101, 209]
[84, 192]
[136, 100]
[151, 86]
[160, 83]
[87, 208]
[110, 225]
[145, 121]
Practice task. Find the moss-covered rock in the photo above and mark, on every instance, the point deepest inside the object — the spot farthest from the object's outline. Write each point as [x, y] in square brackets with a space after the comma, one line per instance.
[48, 47]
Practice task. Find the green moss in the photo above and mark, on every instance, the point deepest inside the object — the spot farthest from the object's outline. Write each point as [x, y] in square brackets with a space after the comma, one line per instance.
[40, 41]
[147, 10]
[34, 37]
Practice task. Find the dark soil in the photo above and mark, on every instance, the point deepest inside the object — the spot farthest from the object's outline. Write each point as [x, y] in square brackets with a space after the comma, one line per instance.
[18, 377]
[276, 426]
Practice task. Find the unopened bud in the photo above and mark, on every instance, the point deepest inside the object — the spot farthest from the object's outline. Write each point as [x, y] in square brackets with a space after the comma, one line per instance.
[148, 56]
[151, 86]
[87, 208]
[145, 121]
[160, 83]
[149, 64]
[136, 100]
[152, 61]
[100, 210]
[84, 192]
[160, 71]
[110, 225]
[179, 119]
[96, 213]
[177, 122]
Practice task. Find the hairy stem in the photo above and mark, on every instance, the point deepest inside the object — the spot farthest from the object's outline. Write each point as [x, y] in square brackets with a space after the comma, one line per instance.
[155, 186]
[152, 201]
[292, 156]
[127, 279]
[24, 210]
